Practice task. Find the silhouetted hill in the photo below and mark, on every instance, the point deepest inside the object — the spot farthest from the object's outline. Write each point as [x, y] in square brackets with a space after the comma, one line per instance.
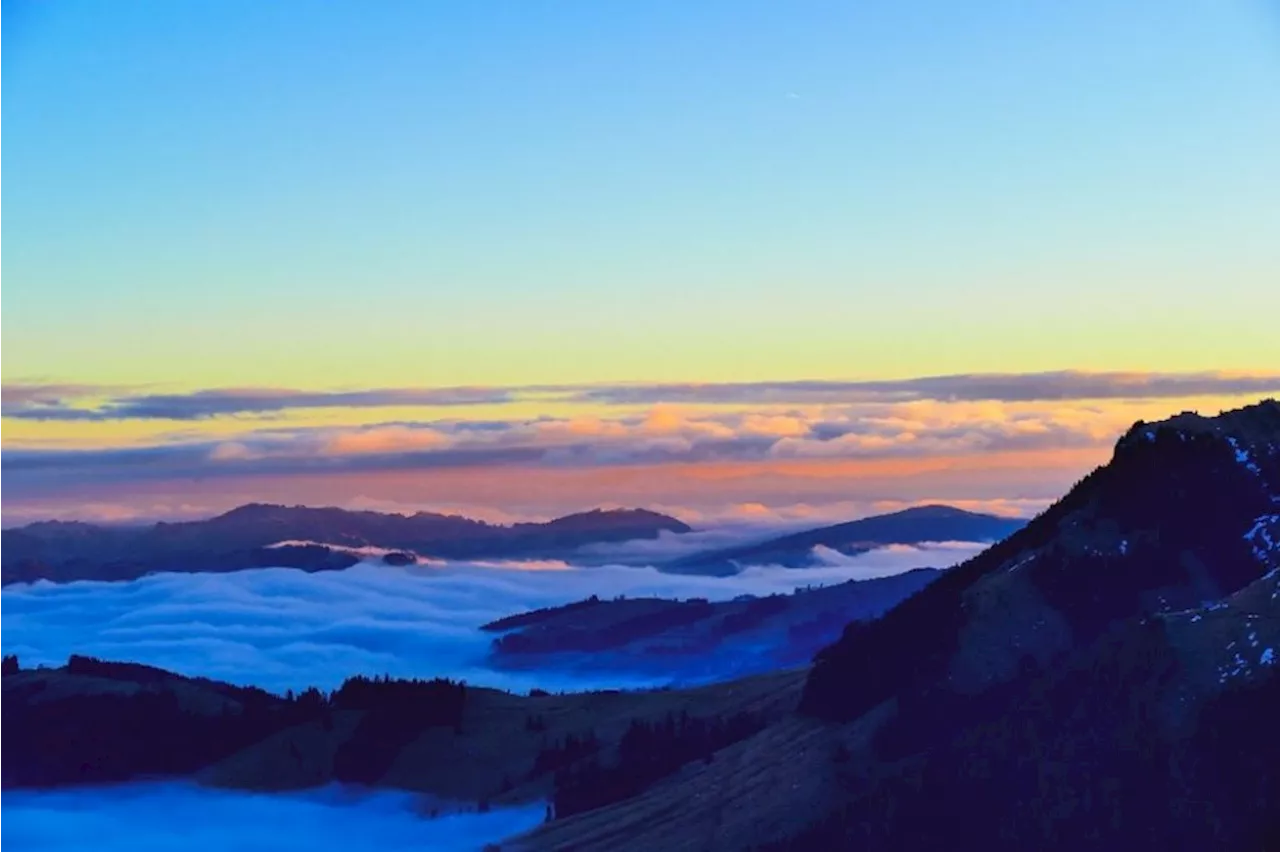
[618, 520]
[241, 538]
[94, 721]
[910, 526]
[694, 639]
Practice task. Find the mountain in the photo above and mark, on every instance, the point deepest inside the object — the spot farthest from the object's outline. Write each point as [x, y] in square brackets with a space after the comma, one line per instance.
[695, 640]
[1105, 678]
[910, 526]
[1164, 526]
[244, 538]
[642, 522]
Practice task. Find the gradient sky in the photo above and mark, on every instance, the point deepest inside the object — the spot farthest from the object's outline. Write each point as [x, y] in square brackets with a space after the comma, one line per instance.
[355, 196]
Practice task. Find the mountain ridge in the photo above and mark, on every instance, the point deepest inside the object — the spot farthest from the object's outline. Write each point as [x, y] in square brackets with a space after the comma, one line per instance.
[695, 639]
[242, 538]
[912, 526]
[1105, 518]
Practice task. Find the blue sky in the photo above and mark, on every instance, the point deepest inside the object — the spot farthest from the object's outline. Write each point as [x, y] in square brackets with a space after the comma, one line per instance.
[248, 242]
[444, 193]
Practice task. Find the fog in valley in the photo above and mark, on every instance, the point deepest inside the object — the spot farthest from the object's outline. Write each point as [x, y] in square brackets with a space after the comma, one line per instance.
[285, 629]
[163, 816]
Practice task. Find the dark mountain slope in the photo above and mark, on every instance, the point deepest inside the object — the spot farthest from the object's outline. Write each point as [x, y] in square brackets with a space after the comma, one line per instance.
[1157, 736]
[910, 526]
[240, 538]
[1107, 678]
[1161, 527]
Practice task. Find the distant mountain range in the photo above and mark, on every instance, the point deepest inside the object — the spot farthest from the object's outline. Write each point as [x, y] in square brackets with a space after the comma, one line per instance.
[1108, 677]
[243, 538]
[323, 539]
[910, 526]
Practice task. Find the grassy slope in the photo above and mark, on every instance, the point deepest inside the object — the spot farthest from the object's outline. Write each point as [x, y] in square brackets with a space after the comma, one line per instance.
[494, 743]
[744, 792]
[766, 788]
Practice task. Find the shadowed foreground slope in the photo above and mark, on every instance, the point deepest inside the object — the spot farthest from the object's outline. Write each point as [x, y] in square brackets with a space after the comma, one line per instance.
[1105, 678]
[93, 721]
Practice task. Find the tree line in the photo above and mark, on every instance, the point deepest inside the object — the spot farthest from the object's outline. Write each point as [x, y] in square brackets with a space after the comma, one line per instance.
[647, 752]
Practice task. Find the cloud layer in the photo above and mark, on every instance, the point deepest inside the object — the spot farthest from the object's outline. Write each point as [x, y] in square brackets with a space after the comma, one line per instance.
[972, 387]
[662, 435]
[160, 817]
[706, 451]
[285, 629]
[31, 401]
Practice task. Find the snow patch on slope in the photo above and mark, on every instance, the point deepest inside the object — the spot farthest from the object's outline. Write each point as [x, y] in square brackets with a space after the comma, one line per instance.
[1264, 537]
[1243, 457]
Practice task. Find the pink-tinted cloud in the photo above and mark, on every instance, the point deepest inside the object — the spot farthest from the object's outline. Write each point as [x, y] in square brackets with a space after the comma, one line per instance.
[662, 436]
[767, 493]
[765, 464]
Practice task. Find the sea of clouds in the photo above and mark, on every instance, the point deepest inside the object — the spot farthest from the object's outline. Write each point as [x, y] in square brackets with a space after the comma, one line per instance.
[285, 629]
[164, 816]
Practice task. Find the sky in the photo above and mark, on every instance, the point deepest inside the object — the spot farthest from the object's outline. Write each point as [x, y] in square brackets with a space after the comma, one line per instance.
[518, 259]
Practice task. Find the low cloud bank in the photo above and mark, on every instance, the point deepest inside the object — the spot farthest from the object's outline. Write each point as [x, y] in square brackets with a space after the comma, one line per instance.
[896, 558]
[668, 546]
[285, 629]
[168, 816]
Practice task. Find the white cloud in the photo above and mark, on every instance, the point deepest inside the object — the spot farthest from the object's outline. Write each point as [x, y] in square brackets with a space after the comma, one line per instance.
[897, 558]
[668, 545]
[280, 628]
